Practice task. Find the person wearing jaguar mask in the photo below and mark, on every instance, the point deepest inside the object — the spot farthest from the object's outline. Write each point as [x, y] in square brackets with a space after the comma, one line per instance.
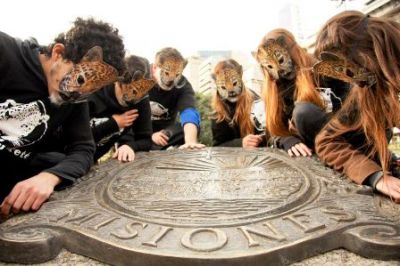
[238, 114]
[171, 95]
[42, 90]
[120, 113]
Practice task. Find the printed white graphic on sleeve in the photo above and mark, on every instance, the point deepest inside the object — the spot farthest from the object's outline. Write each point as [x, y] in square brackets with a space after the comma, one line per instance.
[258, 115]
[22, 124]
[94, 122]
[327, 95]
[158, 111]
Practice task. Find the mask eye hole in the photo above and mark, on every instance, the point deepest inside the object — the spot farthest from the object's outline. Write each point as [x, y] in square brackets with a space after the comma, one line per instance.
[234, 83]
[281, 60]
[166, 73]
[270, 66]
[223, 87]
[80, 80]
[349, 73]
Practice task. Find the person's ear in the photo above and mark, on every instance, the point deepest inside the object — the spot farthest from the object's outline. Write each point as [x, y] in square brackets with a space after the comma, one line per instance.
[153, 69]
[57, 51]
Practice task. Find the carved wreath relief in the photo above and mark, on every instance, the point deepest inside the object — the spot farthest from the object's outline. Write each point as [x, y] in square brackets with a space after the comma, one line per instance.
[228, 206]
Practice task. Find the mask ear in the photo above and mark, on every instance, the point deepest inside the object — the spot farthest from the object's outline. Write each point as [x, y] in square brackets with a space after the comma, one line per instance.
[329, 56]
[254, 54]
[240, 69]
[185, 63]
[137, 75]
[125, 78]
[94, 54]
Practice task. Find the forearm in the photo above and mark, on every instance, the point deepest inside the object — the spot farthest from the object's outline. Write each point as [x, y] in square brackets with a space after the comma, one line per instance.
[51, 178]
[342, 156]
[105, 129]
[80, 146]
[77, 163]
[190, 130]
[284, 143]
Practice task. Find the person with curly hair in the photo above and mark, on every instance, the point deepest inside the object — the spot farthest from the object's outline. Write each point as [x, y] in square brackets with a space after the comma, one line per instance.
[363, 51]
[42, 92]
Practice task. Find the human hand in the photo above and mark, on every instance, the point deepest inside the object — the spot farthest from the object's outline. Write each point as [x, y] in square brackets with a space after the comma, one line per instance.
[30, 194]
[124, 153]
[299, 149]
[126, 119]
[160, 138]
[390, 186]
[251, 141]
[192, 146]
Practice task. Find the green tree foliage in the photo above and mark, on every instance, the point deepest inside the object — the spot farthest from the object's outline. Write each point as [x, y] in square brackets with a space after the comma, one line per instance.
[204, 107]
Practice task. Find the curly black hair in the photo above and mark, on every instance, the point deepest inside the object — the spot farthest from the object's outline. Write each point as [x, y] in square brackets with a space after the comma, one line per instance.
[87, 33]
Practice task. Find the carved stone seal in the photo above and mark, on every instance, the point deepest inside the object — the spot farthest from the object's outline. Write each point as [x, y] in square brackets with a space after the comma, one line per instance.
[217, 206]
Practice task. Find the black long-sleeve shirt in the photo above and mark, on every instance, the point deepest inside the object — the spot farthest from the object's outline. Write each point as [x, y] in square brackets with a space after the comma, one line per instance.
[103, 104]
[28, 118]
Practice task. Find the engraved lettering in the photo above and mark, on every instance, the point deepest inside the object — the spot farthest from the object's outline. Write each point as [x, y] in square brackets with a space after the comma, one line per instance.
[340, 214]
[82, 219]
[253, 243]
[153, 242]
[104, 223]
[221, 240]
[304, 224]
[58, 218]
[131, 232]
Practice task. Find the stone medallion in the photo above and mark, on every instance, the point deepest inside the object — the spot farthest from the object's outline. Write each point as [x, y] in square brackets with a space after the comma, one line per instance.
[217, 206]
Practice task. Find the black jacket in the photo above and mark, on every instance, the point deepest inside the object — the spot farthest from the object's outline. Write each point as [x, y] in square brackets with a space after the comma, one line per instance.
[28, 119]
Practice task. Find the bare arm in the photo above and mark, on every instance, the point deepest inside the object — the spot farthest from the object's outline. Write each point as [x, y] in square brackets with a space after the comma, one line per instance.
[190, 130]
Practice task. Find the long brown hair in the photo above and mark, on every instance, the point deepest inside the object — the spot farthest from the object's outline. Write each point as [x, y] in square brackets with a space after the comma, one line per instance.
[373, 43]
[304, 85]
[243, 104]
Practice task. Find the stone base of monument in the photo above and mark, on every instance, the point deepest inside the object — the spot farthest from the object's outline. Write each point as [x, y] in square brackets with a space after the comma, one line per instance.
[217, 206]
